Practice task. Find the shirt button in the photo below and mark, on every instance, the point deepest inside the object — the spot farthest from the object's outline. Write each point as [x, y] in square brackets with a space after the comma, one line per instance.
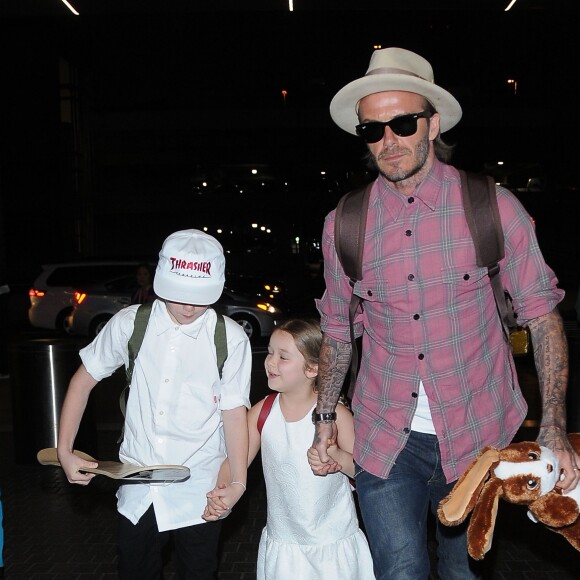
[369, 292]
[416, 317]
[406, 430]
[414, 395]
[161, 412]
[421, 356]
[411, 200]
[166, 380]
[466, 277]
[408, 233]
[411, 277]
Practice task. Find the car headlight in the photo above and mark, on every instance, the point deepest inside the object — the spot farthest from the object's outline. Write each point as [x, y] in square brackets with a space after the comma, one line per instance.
[266, 307]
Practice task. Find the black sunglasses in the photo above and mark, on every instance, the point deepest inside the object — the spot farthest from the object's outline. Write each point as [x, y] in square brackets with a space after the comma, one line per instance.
[403, 126]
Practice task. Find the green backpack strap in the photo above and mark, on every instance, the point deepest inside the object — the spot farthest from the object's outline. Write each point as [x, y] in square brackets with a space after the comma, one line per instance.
[140, 326]
[220, 340]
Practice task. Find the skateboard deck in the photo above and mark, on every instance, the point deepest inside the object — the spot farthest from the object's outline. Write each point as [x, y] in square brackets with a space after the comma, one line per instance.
[125, 472]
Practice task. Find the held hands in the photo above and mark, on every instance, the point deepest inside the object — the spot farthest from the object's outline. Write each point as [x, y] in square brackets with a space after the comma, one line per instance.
[325, 436]
[221, 500]
[319, 468]
[72, 464]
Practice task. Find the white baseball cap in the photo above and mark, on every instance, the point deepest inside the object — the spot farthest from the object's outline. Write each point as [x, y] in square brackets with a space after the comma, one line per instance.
[190, 268]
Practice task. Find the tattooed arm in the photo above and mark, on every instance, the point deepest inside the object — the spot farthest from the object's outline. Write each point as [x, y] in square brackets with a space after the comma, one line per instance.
[551, 359]
[333, 365]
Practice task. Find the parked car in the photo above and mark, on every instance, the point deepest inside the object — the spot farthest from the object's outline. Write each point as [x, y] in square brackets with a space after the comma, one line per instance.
[256, 316]
[50, 295]
[93, 307]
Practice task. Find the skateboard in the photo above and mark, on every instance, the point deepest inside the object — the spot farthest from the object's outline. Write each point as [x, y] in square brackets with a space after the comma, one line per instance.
[125, 472]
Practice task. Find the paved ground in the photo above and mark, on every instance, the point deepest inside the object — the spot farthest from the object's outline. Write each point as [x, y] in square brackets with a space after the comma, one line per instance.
[56, 531]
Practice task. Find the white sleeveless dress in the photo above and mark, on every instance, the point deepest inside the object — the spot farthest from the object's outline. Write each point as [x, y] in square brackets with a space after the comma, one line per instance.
[312, 530]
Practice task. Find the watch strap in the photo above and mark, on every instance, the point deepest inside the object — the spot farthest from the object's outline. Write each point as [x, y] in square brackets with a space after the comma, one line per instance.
[323, 417]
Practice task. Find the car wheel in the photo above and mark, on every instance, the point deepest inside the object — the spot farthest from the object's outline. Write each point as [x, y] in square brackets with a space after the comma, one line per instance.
[249, 324]
[98, 324]
[61, 323]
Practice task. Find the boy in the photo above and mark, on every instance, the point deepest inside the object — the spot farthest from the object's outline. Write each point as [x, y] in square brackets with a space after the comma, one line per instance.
[175, 411]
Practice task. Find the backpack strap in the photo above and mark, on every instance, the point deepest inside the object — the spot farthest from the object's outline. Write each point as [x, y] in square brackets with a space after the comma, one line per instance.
[265, 410]
[482, 215]
[220, 340]
[140, 326]
[349, 238]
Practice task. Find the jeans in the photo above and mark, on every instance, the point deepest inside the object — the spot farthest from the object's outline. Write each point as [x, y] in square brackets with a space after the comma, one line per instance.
[395, 511]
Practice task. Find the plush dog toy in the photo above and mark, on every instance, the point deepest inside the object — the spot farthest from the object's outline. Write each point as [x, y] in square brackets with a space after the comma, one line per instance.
[522, 473]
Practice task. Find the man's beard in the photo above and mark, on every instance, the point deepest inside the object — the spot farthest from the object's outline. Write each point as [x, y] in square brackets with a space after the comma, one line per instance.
[400, 174]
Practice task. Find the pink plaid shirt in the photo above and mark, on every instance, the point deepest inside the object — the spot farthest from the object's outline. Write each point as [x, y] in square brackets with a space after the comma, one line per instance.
[429, 315]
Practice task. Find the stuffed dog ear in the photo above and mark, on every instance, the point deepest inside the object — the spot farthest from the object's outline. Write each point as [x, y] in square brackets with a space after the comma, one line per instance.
[463, 497]
[482, 523]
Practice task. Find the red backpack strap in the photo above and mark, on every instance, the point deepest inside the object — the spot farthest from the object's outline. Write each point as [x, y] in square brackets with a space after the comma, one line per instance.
[265, 410]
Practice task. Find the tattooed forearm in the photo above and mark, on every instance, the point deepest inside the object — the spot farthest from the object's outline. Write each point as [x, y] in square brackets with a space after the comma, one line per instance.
[332, 368]
[551, 359]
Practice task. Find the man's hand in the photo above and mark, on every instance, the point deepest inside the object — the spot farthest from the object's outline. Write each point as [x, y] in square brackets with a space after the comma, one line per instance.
[556, 440]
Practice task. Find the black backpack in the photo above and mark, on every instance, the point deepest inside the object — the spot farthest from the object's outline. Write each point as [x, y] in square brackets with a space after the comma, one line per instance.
[482, 214]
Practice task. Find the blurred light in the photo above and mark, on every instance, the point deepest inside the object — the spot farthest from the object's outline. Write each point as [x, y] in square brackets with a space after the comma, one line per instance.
[254, 171]
[291, 5]
[254, 225]
[205, 228]
[267, 307]
[514, 83]
[510, 5]
[263, 228]
[500, 162]
[377, 46]
[204, 183]
[70, 7]
[219, 230]
[323, 173]
[268, 231]
[37, 293]
[80, 297]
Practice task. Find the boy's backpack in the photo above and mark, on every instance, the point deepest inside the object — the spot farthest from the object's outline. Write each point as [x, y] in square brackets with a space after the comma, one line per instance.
[140, 326]
[482, 214]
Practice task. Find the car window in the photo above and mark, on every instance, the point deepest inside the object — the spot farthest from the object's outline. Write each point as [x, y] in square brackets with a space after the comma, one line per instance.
[86, 275]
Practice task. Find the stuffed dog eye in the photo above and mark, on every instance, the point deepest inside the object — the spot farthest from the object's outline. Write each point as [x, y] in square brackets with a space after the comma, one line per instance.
[533, 456]
[532, 484]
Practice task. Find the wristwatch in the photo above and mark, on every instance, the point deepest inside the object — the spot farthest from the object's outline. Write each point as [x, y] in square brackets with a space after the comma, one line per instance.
[323, 417]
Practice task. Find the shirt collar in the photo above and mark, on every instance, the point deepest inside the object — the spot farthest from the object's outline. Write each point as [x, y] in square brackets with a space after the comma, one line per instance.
[163, 322]
[427, 192]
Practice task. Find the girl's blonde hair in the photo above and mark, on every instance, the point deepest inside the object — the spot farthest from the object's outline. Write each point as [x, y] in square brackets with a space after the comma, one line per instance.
[307, 337]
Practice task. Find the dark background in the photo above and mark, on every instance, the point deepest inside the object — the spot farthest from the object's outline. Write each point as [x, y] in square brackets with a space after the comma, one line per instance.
[112, 120]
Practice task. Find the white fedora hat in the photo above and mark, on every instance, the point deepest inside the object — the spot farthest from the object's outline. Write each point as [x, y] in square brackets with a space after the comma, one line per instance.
[394, 69]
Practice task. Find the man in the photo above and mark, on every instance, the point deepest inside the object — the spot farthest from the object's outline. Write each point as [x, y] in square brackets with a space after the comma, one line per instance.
[437, 379]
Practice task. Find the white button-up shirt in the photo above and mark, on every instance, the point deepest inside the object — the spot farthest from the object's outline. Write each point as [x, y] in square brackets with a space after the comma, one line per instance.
[175, 404]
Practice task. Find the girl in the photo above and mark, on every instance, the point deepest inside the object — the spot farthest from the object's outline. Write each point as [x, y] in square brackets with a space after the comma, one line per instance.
[312, 530]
